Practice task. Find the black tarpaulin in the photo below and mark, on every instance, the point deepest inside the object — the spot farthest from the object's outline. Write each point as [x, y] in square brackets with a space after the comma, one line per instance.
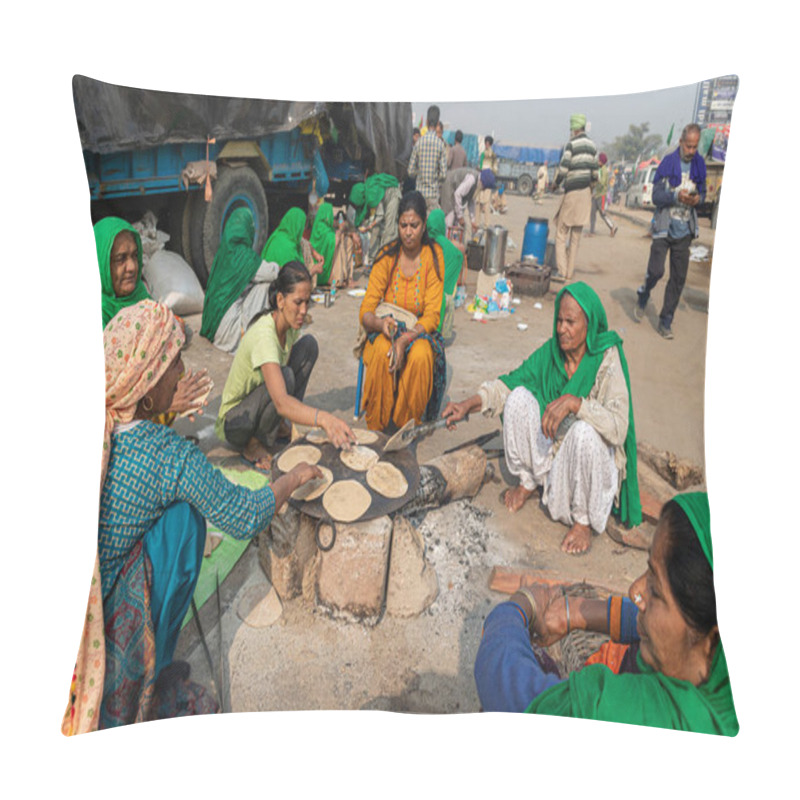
[115, 118]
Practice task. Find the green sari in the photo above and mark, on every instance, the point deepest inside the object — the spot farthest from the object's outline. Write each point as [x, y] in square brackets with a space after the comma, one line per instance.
[368, 195]
[283, 245]
[650, 697]
[453, 257]
[234, 266]
[323, 240]
[543, 374]
[105, 231]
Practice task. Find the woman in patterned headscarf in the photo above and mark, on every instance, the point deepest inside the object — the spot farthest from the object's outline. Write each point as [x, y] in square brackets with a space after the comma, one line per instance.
[157, 489]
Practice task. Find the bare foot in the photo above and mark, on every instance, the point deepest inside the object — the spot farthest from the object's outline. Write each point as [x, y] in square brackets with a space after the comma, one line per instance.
[256, 453]
[515, 498]
[578, 539]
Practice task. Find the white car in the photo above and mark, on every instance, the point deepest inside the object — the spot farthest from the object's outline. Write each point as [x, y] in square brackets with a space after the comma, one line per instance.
[640, 193]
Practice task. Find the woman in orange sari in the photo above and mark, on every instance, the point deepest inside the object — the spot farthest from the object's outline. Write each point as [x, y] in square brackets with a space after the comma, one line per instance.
[403, 354]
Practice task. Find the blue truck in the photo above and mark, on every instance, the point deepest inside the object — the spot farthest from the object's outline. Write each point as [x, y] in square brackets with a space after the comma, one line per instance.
[143, 151]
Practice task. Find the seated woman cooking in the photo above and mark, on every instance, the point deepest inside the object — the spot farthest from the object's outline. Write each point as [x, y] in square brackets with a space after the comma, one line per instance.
[238, 286]
[664, 666]
[568, 422]
[402, 349]
[119, 257]
[270, 372]
[157, 490]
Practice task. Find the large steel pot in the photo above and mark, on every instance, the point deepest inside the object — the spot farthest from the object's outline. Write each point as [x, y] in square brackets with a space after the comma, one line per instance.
[494, 251]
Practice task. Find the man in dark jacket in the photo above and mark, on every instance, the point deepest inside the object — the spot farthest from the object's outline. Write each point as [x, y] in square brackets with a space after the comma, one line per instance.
[679, 187]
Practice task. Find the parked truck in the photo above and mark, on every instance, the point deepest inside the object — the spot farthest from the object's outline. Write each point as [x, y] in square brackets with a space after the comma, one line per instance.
[147, 150]
[518, 165]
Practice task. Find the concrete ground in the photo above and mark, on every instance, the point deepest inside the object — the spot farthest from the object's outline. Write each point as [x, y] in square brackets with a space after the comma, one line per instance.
[308, 661]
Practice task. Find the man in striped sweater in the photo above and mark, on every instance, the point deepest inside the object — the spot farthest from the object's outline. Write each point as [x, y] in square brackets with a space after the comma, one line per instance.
[578, 171]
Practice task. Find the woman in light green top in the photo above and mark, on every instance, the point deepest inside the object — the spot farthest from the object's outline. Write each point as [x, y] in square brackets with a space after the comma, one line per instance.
[270, 372]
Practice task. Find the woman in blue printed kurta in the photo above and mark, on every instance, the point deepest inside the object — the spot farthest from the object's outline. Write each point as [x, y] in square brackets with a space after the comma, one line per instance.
[157, 489]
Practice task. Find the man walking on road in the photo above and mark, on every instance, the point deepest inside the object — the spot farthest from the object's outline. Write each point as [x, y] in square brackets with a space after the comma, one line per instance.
[457, 157]
[599, 192]
[678, 187]
[578, 171]
[428, 162]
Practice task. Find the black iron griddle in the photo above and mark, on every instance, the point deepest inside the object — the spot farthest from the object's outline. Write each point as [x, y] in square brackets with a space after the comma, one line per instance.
[405, 460]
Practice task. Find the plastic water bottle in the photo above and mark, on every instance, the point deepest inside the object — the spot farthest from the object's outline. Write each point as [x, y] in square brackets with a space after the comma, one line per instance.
[333, 291]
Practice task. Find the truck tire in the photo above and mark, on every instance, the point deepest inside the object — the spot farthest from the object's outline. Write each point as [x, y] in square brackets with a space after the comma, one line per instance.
[525, 184]
[194, 212]
[235, 188]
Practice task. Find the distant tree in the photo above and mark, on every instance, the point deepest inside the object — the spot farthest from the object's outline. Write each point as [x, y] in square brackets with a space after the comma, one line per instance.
[636, 143]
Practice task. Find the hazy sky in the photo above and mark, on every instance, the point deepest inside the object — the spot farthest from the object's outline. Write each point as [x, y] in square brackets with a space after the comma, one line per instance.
[545, 123]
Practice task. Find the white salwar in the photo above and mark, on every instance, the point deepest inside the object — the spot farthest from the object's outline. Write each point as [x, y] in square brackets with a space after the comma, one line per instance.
[579, 480]
[581, 472]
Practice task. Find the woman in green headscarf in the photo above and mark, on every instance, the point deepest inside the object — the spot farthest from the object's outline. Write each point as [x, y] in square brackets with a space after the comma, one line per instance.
[664, 665]
[323, 240]
[119, 256]
[453, 265]
[284, 245]
[377, 210]
[568, 422]
[238, 286]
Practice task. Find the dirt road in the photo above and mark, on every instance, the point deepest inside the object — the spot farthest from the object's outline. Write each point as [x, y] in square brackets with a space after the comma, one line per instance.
[307, 661]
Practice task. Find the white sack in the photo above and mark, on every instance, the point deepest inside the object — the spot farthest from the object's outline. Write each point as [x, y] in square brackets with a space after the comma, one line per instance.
[172, 282]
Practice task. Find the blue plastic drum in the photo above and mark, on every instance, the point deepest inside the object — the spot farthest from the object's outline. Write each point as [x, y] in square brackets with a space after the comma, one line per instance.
[534, 242]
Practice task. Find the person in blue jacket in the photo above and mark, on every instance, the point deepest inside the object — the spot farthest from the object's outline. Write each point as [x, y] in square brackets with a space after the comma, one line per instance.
[679, 187]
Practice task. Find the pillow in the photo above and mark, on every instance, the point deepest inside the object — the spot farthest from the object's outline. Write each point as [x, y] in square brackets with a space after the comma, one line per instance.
[603, 238]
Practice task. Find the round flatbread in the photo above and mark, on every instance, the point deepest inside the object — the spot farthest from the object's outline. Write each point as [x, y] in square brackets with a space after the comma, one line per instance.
[359, 458]
[295, 455]
[317, 436]
[385, 479]
[312, 489]
[364, 436]
[346, 501]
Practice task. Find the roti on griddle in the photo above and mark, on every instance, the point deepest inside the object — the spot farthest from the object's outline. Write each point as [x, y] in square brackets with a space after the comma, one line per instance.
[364, 436]
[387, 480]
[295, 455]
[317, 436]
[359, 458]
[346, 501]
[312, 489]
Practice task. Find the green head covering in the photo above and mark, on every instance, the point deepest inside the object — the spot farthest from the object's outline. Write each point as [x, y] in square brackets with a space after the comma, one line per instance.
[649, 697]
[283, 245]
[105, 232]
[358, 199]
[376, 186]
[235, 264]
[453, 257]
[577, 121]
[695, 504]
[544, 375]
[323, 240]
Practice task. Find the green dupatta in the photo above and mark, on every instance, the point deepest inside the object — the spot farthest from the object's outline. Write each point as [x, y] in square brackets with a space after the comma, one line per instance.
[105, 231]
[543, 374]
[453, 257]
[650, 697]
[323, 240]
[283, 245]
[368, 195]
[234, 266]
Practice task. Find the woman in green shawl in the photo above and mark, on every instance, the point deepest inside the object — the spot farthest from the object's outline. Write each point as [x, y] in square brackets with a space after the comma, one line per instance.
[668, 669]
[284, 245]
[119, 256]
[238, 286]
[568, 422]
[376, 202]
[323, 240]
[453, 266]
